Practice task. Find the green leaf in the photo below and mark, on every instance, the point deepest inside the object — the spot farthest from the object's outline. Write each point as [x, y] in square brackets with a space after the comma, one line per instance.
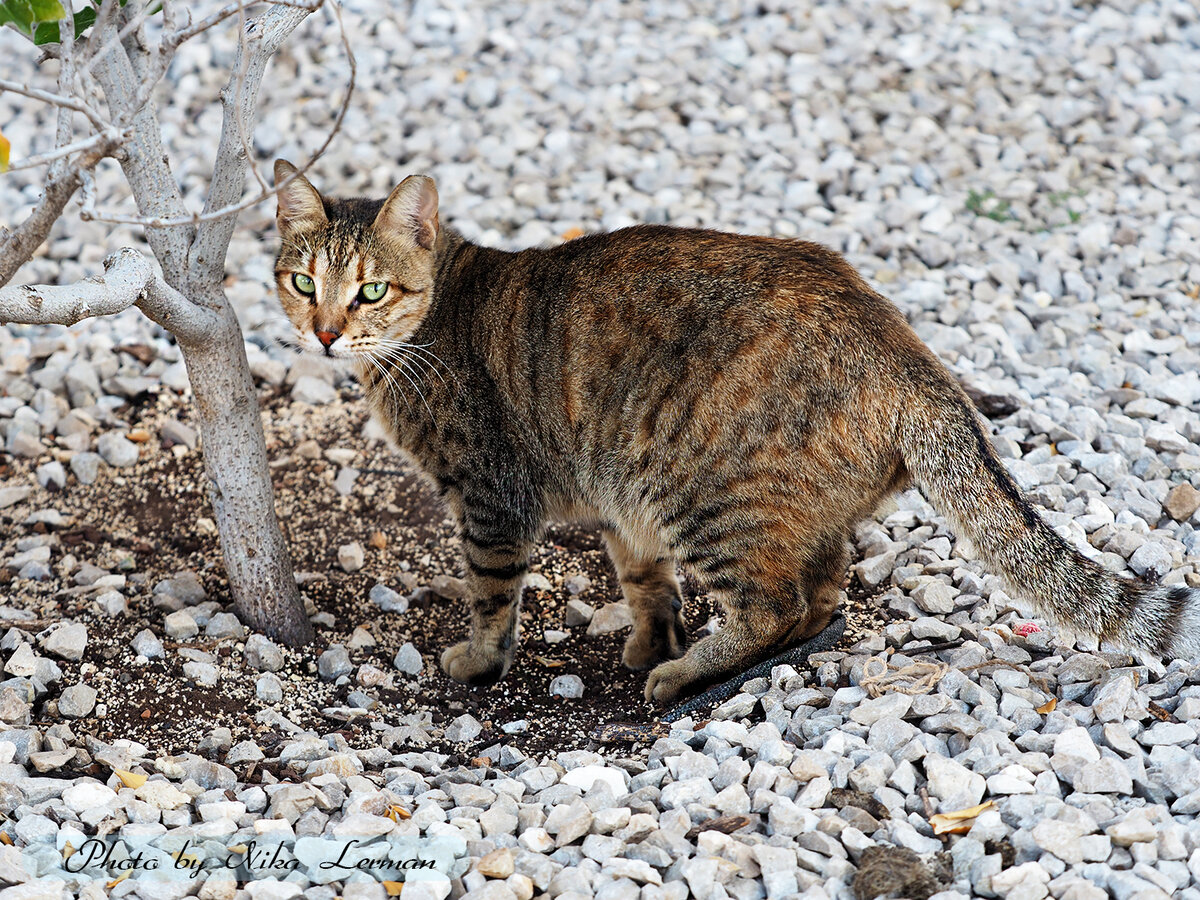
[47, 10]
[18, 13]
[47, 32]
[26, 15]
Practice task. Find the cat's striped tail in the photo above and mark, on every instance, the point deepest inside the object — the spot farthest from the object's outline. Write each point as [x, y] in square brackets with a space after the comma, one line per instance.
[949, 456]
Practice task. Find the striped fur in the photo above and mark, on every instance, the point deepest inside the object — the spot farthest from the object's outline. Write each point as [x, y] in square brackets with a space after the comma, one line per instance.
[733, 404]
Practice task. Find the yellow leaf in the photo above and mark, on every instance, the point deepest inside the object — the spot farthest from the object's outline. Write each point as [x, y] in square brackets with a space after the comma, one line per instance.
[5, 146]
[5, 839]
[112, 884]
[1048, 706]
[393, 888]
[958, 821]
[396, 813]
[571, 233]
[68, 850]
[130, 779]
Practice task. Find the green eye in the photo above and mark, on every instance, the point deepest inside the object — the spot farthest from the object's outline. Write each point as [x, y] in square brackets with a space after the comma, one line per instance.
[373, 291]
[304, 284]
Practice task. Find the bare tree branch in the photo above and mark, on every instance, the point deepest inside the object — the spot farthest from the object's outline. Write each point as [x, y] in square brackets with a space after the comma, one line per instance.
[226, 12]
[66, 84]
[144, 162]
[57, 100]
[17, 245]
[188, 299]
[133, 37]
[129, 279]
[126, 274]
[213, 211]
[111, 136]
[131, 24]
[261, 38]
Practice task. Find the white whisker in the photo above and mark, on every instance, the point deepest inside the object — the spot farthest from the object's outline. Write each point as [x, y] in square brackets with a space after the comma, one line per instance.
[428, 355]
[393, 388]
[403, 357]
[403, 370]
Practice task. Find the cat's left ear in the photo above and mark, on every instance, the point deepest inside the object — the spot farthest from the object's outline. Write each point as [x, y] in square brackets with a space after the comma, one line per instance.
[412, 210]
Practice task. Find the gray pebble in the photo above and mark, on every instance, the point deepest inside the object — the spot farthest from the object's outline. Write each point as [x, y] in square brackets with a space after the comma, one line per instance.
[569, 687]
[146, 644]
[117, 450]
[408, 660]
[334, 663]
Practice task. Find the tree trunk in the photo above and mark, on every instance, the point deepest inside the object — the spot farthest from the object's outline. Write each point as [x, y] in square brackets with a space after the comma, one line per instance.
[264, 590]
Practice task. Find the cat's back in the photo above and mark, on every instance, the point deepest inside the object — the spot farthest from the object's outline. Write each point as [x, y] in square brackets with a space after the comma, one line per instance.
[662, 282]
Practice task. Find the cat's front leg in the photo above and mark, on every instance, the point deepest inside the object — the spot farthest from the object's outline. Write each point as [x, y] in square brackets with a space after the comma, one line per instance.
[495, 575]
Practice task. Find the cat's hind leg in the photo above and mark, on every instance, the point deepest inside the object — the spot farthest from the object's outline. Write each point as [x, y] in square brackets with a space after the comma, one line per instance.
[750, 633]
[821, 585]
[651, 589]
[495, 576]
[761, 618]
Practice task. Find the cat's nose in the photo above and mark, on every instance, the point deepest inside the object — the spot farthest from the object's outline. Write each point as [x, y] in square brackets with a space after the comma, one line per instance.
[328, 337]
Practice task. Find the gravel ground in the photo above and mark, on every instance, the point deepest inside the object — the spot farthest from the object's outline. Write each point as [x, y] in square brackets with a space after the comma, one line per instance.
[1019, 177]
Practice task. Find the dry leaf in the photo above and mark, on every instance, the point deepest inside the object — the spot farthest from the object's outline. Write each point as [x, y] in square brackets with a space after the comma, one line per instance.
[631, 732]
[139, 435]
[550, 663]
[378, 540]
[396, 812]
[1159, 713]
[393, 888]
[723, 824]
[130, 779]
[5, 839]
[141, 352]
[959, 821]
[1048, 706]
[1194, 291]
[112, 884]
[571, 233]
[4, 150]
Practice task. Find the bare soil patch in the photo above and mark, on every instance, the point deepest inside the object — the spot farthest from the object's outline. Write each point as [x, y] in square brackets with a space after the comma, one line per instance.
[150, 522]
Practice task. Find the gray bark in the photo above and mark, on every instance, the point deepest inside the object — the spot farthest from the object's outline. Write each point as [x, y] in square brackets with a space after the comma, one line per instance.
[188, 299]
[192, 305]
[239, 481]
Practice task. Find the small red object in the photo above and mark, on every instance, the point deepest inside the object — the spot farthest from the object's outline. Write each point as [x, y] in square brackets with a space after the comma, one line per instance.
[1026, 629]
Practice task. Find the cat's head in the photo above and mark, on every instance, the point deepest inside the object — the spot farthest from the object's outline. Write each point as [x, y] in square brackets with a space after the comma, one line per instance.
[355, 276]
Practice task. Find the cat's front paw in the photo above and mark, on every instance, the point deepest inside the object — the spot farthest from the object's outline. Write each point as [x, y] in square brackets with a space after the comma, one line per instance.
[473, 665]
[672, 680]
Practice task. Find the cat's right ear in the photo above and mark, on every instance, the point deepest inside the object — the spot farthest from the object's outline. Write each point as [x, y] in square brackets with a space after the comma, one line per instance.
[411, 210]
[300, 205]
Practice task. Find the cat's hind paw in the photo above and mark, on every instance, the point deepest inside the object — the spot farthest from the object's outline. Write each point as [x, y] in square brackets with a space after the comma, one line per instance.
[672, 680]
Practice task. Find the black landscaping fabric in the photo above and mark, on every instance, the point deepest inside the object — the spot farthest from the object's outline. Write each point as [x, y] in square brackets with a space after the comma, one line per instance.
[796, 655]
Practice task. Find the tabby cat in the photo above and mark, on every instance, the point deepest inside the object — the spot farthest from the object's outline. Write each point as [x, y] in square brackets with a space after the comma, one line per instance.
[731, 403]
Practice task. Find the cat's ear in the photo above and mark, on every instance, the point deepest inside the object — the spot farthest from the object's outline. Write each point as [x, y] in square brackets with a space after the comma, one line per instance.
[299, 203]
[412, 210]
